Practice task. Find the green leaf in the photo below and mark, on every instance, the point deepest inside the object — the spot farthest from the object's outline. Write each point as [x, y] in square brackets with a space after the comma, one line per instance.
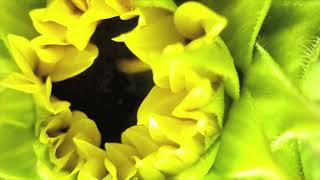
[310, 85]
[17, 120]
[6, 64]
[309, 150]
[266, 132]
[17, 158]
[245, 18]
[291, 35]
[164, 4]
[15, 17]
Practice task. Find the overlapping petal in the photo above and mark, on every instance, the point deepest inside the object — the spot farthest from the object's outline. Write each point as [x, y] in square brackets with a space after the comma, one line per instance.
[37, 59]
[69, 137]
[60, 60]
[72, 21]
[180, 121]
[183, 113]
[174, 28]
[184, 124]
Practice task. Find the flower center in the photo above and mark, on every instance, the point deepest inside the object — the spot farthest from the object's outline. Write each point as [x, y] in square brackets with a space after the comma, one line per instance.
[108, 96]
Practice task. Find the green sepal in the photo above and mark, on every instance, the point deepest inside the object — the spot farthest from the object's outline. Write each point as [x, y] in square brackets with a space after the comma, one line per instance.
[245, 18]
[15, 17]
[292, 37]
[267, 130]
[17, 158]
[310, 85]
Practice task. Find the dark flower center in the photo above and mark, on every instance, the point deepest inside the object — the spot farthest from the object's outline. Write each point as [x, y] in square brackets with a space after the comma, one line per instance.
[105, 94]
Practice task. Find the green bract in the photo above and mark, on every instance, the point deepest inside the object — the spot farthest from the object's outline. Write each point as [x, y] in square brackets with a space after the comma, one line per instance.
[272, 131]
[17, 159]
[15, 17]
[294, 43]
[245, 19]
[16, 127]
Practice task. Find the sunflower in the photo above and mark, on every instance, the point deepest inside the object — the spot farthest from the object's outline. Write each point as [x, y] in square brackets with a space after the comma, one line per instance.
[171, 71]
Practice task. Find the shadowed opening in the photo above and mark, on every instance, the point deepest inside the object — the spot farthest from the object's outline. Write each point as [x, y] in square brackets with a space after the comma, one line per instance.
[106, 95]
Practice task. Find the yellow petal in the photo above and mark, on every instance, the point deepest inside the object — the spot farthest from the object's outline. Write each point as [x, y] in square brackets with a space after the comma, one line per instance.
[43, 96]
[22, 83]
[192, 20]
[165, 100]
[139, 138]
[98, 10]
[49, 28]
[77, 19]
[145, 42]
[81, 4]
[50, 103]
[85, 129]
[167, 161]
[147, 15]
[174, 129]
[121, 156]
[70, 136]
[56, 126]
[177, 79]
[132, 66]
[66, 14]
[23, 54]
[146, 169]
[198, 96]
[48, 48]
[88, 150]
[74, 62]
[120, 6]
[59, 106]
[62, 12]
[79, 35]
[93, 169]
[111, 169]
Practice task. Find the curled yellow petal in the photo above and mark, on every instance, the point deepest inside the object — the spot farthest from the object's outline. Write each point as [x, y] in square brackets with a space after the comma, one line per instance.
[139, 138]
[172, 135]
[64, 134]
[94, 167]
[180, 122]
[146, 168]
[81, 4]
[144, 41]
[121, 156]
[48, 48]
[121, 6]
[60, 60]
[74, 62]
[174, 28]
[48, 28]
[73, 21]
[192, 20]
